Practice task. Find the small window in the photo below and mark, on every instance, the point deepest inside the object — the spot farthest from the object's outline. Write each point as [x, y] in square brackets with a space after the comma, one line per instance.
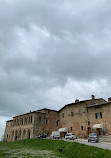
[21, 121]
[46, 122]
[26, 120]
[100, 114]
[71, 128]
[7, 135]
[82, 128]
[62, 115]
[96, 115]
[72, 113]
[31, 119]
[88, 122]
[57, 123]
[17, 121]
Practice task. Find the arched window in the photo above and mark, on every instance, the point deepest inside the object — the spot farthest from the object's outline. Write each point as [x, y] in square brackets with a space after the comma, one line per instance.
[28, 134]
[16, 135]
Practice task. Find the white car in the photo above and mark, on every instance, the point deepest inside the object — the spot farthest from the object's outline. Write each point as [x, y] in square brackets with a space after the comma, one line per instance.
[70, 136]
[55, 135]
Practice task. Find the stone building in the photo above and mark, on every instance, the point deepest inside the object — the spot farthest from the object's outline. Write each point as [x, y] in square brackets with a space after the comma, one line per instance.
[31, 124]
[80, 117]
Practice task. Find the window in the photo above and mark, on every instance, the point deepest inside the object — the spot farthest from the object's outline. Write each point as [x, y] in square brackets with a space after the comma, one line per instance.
[72, 113]
[17, 121]
[26, 120]
[62, 115]
[46, 122]
[57, 123]
[22, 121]
[71, 128]
[31, 119]
[88, 122]
[98, 115]
[82, 128]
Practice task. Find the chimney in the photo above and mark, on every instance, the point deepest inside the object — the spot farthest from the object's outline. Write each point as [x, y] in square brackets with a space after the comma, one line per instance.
[77, 100]
[109, 99]
[93, 98]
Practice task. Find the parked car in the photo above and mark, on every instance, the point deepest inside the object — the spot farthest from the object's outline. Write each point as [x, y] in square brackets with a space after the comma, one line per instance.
[43, 135]
[55, 135]
[70, 136]
[93, 137]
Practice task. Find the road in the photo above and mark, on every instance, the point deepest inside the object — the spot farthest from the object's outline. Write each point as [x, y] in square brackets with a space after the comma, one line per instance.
[103, 145]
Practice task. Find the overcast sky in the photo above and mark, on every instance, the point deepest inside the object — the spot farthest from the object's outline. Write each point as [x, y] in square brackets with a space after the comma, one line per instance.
[52, 52]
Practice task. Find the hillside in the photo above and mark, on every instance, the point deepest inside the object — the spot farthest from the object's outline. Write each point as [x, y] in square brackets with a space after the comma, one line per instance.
[46, 148]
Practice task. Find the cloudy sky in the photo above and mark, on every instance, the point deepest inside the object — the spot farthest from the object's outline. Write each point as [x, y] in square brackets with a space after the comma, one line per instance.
[52, 52]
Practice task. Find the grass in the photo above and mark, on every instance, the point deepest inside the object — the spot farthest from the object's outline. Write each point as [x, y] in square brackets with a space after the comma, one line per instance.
[46, 148]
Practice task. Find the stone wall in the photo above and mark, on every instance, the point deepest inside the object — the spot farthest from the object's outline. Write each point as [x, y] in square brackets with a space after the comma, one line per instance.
[105, 120]
[21, 127]
[51, 121]
[74, 118]
[79, 119]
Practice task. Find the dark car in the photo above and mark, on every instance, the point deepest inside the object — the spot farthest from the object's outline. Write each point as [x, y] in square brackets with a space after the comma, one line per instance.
[93, 137]
[43, 135]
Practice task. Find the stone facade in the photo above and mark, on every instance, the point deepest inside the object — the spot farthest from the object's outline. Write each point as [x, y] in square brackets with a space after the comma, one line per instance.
[79, 117]
[51, 120]
[31, 124]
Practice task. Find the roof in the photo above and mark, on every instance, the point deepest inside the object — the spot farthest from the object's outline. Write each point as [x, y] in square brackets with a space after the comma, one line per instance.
[28, 113]
[99, 104]
[39, 111]
[101, 100]
[75, 103]
[9, 120]
[47, 109]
